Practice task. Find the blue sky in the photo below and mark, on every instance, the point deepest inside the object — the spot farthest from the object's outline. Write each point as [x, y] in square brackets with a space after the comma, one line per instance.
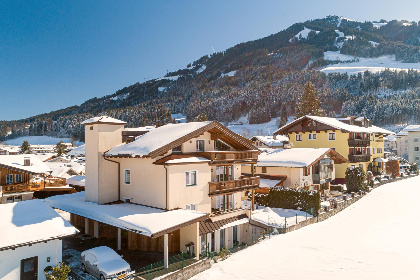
[55, 54]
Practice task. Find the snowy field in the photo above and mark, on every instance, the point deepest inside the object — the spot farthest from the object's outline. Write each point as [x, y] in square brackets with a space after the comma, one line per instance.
[249, 130]
[375, 238]
[371, 64]
[40, 140]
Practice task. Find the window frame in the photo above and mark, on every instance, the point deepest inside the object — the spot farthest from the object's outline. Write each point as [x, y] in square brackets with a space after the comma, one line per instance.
[21, 178]
[204, 145]
[300, 137]
[8, 181]
[312, 136]
[331, 133]
[125, 177]
[196, 178]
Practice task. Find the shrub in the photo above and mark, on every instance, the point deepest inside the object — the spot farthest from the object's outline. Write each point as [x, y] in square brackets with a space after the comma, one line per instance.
[355, 179]
[393, 168]
[59, 272]
[369, 178]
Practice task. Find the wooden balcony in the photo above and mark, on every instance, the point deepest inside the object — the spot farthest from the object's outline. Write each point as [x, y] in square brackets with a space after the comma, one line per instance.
[16, 188]
[359, 158]
[32, 187]
[359, 142]
[229, 156]
[217, 188]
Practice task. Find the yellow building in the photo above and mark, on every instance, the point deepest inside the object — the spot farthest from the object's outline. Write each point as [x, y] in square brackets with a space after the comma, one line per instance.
[355, 138]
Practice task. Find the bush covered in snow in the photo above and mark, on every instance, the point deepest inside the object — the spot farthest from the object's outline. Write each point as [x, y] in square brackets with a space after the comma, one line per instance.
[286, 198]
[355, 179]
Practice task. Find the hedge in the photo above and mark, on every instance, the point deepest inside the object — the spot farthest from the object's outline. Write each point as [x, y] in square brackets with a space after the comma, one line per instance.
[286, 198]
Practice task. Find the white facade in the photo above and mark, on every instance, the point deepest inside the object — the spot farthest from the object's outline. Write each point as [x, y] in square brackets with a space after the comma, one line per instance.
[414, 146]
[48, 254]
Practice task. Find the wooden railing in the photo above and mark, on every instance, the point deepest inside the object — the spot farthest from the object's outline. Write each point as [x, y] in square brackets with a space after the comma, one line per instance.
[39, 186]
[359, 142]
[216, 188]
[359, 158]
[229, 155]
[23, 187]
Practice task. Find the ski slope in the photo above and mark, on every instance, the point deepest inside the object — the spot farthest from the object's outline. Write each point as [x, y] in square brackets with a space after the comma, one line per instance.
[375, 238]
[374, 65]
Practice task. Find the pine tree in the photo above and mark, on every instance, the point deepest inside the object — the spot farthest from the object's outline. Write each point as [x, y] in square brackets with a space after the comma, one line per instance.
[60, 148]
[308, 103]
[25, 148]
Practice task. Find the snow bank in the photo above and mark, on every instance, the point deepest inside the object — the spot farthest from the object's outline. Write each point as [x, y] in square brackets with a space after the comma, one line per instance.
[375, 238]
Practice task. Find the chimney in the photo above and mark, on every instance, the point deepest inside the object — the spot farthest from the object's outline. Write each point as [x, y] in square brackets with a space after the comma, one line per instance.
[27, 161]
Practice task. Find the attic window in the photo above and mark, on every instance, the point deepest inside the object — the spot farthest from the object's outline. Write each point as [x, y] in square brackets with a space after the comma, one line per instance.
[91, 128]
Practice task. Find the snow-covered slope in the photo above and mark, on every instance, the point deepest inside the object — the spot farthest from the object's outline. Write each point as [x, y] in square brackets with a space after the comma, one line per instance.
[362, 64]
[40, 140]
[375, 238]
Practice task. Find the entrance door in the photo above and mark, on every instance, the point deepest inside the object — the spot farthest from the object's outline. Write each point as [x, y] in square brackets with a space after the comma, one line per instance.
[29, 269]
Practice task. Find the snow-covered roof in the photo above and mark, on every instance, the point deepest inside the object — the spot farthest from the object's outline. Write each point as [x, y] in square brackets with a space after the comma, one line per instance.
[337, 124]
[78, 151]
[188, 160]
[144, 220]
[31, 221]
[77, 180]
[37, 166]
[45, 156]
[270, 141]
[103, 119]
[59, 169]
[155, 139]
[268, 183]
[296, 157]
[142, 128]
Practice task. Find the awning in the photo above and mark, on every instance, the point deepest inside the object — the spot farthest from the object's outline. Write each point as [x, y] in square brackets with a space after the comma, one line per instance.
[209, 226]
[140, 219]
[236, 223]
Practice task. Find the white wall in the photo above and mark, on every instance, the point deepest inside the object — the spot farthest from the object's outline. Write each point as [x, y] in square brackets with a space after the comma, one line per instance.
[10, 259]
[413, 142]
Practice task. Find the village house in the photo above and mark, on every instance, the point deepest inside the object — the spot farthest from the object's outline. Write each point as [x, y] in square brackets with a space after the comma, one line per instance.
[301, 168]
[360, 142]
[271, 142]
[178, 187]
[30, 239]
[24, 176]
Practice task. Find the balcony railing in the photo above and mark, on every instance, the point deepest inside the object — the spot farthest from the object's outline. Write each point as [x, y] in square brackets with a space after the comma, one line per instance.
[231, 156]
[216, 188]
[359, 158]
[23, 187]
[359, 142]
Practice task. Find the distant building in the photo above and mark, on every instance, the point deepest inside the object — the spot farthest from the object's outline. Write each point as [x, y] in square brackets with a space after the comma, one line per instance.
[271, 142]
[30, 239]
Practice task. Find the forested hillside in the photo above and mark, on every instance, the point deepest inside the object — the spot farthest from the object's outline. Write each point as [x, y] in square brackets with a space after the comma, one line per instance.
[262, 79]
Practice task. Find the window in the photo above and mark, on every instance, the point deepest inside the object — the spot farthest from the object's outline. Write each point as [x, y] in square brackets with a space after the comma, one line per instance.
[18, 178]
[127, 176]
[373, 137]
[18, 198]
[417, 158]
[9, 179]
[9, 199]
[298, 137]
[416, 149]
[191, 178]
[373, 151]
[416, 139]
[331, 136]
[312, 136]
[264, 169]
[200, 145]
[191, 206]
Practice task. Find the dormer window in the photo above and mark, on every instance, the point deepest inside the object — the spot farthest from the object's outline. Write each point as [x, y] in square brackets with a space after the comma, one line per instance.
[200, 145]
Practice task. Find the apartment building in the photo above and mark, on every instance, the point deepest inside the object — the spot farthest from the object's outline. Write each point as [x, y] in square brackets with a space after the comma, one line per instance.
[360, 142]
[177, 187]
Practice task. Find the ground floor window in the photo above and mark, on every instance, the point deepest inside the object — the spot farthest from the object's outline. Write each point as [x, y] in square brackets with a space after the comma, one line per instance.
[222, 239]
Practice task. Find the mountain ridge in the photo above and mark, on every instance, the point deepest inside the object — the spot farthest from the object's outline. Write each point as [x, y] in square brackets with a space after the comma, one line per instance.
[262, 79]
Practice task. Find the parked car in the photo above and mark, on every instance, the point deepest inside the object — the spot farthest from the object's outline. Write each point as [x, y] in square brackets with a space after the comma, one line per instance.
[104, 263]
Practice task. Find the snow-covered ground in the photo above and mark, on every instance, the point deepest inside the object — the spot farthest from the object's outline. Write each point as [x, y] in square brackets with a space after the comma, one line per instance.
[248, 130]
[277, 217]
[371, 64]
[40, 140]
[375, 238]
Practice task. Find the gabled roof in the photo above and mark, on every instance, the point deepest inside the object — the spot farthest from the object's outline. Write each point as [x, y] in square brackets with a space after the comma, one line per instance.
[16, 162]
[298, 157]
[336, 124]
[102, 120]
[28, 222]
[270, 141]
[159, 141]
